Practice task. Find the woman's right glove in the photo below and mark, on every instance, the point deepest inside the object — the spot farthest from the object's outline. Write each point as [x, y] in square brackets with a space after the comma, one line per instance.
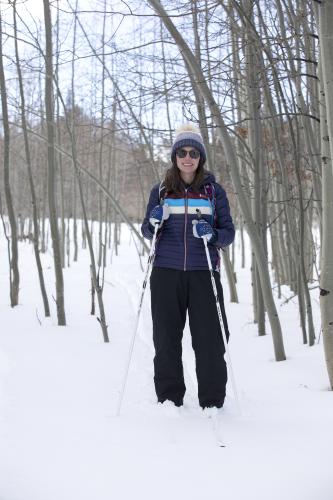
[202, 229]
[159, 214]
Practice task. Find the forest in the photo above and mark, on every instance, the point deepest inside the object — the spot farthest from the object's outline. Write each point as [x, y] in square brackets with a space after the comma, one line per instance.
[92, 93]
[88, 114]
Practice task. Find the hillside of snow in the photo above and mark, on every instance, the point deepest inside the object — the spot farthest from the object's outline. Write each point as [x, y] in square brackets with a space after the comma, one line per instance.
[59, 389]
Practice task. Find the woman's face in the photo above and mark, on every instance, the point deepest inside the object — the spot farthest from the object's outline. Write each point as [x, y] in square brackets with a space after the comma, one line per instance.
[187, 165]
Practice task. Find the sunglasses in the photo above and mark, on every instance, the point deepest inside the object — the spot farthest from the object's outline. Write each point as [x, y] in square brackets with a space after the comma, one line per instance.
[182, 153]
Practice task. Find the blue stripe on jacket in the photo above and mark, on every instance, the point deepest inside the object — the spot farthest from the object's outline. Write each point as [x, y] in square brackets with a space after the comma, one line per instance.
[176, 247]
[172, 202]
[181, 206]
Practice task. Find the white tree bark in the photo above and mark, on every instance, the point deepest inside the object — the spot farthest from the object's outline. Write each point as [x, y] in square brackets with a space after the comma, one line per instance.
[51, 166]
[325, 9]
[326, 277]
[13, 259]
[259, 202]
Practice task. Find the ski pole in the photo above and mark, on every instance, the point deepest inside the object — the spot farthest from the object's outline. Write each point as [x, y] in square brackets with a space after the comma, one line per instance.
[149, 264]
[219, 312]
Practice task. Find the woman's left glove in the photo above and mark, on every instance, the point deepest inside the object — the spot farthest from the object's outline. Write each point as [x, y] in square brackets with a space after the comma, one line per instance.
[202, 229]
[159, 214]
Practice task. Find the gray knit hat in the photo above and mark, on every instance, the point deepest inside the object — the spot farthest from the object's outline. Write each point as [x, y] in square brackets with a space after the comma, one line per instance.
[188, 135]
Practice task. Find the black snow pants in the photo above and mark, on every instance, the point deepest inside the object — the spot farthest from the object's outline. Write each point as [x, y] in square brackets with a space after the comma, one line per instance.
[173, 293]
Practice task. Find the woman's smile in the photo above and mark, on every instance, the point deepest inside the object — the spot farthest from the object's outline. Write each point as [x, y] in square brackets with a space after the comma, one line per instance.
[187, 165]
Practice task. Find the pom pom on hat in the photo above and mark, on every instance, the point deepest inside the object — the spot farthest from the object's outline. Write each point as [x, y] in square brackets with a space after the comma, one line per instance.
[188, 135]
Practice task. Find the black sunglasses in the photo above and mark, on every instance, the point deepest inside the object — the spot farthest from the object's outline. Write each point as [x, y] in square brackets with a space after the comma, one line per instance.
[182, 153]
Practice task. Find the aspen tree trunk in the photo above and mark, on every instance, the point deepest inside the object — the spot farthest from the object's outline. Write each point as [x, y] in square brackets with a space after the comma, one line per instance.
[275, 258]
[76, 248]
[232, 161]
[20, 225]
[83, 235]
[41, 161]
[303, 285]
[13, 262]
[232, 258]
[325, 10]
[285, 263]
[68, 243]
[302, 280]
[111, 170]
[254, 287]
[43, 247]
[230, 276]
[58, 157]
[30, 176]
[107, 209]
[326, 275]
[30, 226]
[255, 139]
[115, 214]
[100, 156]
[242, 245]
[51, 166]
[239, 116]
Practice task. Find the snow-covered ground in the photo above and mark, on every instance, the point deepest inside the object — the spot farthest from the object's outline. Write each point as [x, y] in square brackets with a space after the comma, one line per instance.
[59, 387]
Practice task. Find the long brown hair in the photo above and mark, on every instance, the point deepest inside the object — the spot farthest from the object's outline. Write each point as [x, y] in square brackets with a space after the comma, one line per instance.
[174, 183]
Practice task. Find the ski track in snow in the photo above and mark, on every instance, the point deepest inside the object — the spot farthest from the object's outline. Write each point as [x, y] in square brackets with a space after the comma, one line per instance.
[59, 388]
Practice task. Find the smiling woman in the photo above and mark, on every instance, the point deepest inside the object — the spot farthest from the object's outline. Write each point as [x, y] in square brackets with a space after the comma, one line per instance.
[187, 207]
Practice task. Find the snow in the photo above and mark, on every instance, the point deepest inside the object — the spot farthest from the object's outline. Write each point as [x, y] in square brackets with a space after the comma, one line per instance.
[59, 387]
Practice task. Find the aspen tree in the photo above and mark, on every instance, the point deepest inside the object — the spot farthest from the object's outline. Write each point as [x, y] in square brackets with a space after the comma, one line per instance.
[30, 174]
[13, 260]
[325, 18]
[51, 166]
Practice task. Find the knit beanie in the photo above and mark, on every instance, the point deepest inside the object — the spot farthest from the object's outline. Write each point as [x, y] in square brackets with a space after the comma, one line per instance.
[188, 135]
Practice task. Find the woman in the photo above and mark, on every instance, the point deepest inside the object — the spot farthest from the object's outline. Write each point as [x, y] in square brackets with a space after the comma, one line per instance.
[188, 206]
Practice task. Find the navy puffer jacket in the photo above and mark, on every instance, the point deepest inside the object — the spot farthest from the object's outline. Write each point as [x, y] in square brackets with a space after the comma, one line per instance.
[176, 247]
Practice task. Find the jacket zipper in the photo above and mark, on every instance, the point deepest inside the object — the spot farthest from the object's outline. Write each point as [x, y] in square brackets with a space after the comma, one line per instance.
[185, 231]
